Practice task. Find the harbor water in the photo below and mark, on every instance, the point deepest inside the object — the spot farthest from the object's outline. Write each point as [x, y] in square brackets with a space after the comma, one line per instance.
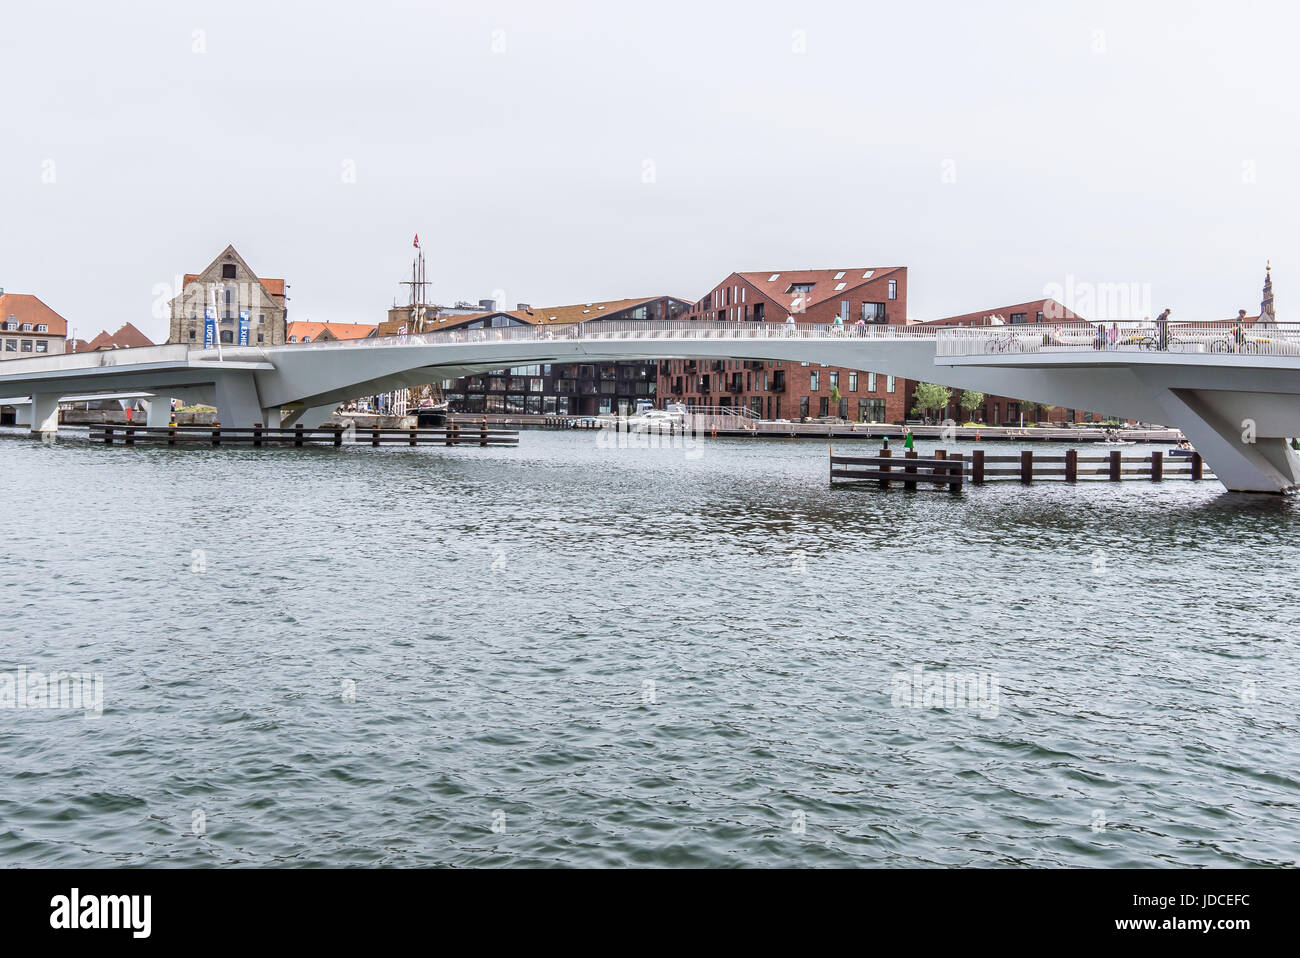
[579, 653]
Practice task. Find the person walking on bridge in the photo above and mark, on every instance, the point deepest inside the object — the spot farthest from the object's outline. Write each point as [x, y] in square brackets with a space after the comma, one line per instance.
[1162, 329]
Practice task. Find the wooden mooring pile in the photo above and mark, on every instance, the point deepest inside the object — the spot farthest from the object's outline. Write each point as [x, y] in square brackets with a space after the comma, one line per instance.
[452, 434]
[951, 470]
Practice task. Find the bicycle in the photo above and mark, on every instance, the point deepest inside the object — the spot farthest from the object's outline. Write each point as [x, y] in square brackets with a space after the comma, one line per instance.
[1006, 343]
[1229, 345]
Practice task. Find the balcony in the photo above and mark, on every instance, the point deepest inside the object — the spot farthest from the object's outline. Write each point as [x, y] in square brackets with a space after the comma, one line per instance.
[778, 385]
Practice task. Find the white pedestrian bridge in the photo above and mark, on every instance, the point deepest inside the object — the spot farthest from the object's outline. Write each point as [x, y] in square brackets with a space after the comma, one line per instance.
[1235, 393]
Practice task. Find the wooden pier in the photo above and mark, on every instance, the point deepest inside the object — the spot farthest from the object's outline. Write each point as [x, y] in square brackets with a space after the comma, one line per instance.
[907, 471]
[952, 469]
[453, 434]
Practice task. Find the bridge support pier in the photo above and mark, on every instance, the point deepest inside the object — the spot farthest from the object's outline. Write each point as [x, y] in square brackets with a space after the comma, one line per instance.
[237, 400]
[309, 416]
[1241, 435]
[158, 411]
[45, 413]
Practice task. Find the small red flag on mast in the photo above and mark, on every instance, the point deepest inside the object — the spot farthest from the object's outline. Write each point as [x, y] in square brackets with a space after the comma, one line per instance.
[417, 240]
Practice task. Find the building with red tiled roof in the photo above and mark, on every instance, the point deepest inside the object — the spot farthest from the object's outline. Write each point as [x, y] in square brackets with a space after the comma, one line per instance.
[305, 332]
[126, 337]
[640, 307]
[29, 328]
[565, 389]
[234, 300]
[775, 390]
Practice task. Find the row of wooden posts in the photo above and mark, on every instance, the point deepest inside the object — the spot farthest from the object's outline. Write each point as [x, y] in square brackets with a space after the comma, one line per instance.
[955, 469]
[452, 434]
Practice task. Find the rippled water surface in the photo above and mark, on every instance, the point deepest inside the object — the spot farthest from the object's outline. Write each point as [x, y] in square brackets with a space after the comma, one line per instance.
[568, 654]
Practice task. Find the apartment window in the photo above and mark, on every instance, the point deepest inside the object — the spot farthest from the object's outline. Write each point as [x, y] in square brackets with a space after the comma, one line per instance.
[192, 336]
[259, 337]
[1040, 317]
[871, 382]
[823, 406]
[835, 378]
[11, 326]
[844, 310]
[27, 346]
[227, 270]
[814, 381]
[261, 318]
[11, 345]
[229, 337]
[893, 289]
[42, 346]
[27, 327]
[42, 328]
[853, 382]
[228, 295]
[873, 312]
[871, 410]
[803, 407]
[1018, 317]
[889, 384]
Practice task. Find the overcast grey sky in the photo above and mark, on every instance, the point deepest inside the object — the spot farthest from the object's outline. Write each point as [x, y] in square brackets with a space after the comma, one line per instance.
[571, 151]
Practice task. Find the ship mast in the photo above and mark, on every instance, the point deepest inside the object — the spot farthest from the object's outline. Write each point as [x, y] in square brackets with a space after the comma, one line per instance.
[418, 317]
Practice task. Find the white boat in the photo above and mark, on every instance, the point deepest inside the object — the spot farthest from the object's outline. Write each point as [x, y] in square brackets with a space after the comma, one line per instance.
[648, 419]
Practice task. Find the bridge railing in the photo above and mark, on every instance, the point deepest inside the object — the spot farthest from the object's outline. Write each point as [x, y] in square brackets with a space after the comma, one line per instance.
[173, 352]
[1278, 339]
[637, 330]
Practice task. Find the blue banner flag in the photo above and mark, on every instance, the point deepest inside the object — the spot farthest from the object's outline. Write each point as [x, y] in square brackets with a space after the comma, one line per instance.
[243, 327]
[209, 327]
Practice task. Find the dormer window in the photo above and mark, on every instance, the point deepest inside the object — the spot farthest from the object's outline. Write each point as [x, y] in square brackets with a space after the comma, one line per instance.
[800, 288]
[42, 328]
[27, 327]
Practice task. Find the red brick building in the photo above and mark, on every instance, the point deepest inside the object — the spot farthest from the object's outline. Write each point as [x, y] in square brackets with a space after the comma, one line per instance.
[783, 390]
[1000, 410]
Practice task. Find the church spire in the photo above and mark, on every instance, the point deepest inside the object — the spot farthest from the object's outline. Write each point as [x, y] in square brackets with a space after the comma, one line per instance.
[1266, 317]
